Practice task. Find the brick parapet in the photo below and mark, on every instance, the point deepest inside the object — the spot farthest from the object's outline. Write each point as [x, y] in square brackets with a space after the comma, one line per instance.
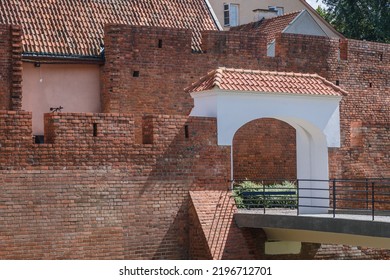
[305, 54]
[79, 127]
[234, 43]
[184, 148]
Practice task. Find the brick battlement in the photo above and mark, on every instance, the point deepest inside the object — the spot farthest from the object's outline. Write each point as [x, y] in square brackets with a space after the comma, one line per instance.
[63, 127]
[86, 140]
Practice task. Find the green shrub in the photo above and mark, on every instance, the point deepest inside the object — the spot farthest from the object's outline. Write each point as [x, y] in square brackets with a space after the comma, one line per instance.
[265, 195]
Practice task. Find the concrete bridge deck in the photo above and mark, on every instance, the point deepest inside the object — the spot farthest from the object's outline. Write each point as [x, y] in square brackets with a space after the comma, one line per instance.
[346, 228]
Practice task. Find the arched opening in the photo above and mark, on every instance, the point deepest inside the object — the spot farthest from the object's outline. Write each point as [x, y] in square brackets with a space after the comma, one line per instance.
[264, 163]
[265, 149]
[307, 103]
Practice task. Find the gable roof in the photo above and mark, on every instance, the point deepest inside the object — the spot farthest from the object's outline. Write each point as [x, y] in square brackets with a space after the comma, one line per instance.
[76, 27]
[320, 18]
[266, 81]
[270, 27]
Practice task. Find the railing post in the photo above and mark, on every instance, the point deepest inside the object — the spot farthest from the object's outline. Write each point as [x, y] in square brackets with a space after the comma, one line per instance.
[373, 200]
[264, 197]
[297, 197]
[334, 198]
[366, 193]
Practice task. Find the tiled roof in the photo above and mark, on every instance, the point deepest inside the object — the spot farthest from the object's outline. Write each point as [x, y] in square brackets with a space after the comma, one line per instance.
[75, 27]
[270, 26]
[265, 81]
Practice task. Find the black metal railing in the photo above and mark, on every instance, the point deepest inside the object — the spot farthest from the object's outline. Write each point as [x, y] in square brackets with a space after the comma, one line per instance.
[335, 196]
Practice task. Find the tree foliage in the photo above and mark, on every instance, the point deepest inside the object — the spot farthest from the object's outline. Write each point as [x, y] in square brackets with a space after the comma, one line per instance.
[359, 19]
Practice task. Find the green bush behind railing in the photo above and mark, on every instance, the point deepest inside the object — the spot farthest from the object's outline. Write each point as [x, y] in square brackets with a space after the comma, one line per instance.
[273, 200]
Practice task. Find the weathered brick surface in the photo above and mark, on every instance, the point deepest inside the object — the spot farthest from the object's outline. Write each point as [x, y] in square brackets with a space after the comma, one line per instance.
[259, 151]
[116, 185]
[365, 112]
[213, 233]
[164, 72]
[344, 252]
[10, 67]
[104, 196]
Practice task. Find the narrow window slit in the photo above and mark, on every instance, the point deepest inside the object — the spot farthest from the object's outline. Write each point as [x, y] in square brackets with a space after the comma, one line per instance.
[186, 132]
[160, 43]
[337, 82]
[136, 74]
[95, 130]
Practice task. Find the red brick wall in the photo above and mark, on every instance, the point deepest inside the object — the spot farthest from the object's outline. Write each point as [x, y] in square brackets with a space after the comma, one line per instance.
[265, 149]
[124, 193]
[365, 121]
[104, 196]
[15, 139]
[213, 232]
[353, 64]
[363, 70]
[94, 128]
[136, 49]
[165, 72]
[10, 68]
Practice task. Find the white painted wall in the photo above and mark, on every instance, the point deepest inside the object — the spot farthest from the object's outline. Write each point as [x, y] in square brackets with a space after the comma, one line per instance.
[233, 109]
[315, 118]
[305, 24]
[74, 87]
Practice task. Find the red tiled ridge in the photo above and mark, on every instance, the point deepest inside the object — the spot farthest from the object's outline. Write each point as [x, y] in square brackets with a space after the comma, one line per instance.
[75, 27]
[270, 27]
[266, 81]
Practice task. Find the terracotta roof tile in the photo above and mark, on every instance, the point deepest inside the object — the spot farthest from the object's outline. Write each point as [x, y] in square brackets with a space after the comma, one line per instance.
[265, 81]
[75, 27]
[270, 27]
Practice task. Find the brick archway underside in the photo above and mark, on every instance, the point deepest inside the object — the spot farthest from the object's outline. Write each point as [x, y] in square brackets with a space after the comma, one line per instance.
[265, 149]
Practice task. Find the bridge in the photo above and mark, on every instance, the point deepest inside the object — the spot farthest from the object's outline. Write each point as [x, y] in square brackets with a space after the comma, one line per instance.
[354, 212]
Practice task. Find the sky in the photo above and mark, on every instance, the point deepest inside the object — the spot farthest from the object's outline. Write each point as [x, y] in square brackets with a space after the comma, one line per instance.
[315, 4]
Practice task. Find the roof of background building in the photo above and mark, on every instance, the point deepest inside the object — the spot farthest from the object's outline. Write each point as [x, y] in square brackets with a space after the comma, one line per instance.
[270, 27]
[266, 81]
[76, 27]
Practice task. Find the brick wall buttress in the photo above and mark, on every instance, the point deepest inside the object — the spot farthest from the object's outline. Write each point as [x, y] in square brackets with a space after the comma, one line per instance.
[10, 67]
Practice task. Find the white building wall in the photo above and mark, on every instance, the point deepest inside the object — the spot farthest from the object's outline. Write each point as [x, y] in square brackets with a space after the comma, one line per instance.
[315, 118]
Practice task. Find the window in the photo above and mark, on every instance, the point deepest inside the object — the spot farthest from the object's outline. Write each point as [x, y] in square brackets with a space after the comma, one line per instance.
[279, 10]
[230, 14]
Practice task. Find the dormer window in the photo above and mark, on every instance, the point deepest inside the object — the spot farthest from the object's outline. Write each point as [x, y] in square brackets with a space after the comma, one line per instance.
[230, 13]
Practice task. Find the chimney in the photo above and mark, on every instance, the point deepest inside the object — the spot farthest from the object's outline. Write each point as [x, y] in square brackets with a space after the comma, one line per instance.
[262, 14]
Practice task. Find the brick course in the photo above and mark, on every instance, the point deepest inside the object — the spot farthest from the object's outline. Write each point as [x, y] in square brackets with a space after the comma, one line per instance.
[104, 196]
[10, 67]
[259, 151]
[117, 185]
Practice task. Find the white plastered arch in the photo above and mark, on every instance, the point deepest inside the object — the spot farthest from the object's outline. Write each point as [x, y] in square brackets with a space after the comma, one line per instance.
[315, 118]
